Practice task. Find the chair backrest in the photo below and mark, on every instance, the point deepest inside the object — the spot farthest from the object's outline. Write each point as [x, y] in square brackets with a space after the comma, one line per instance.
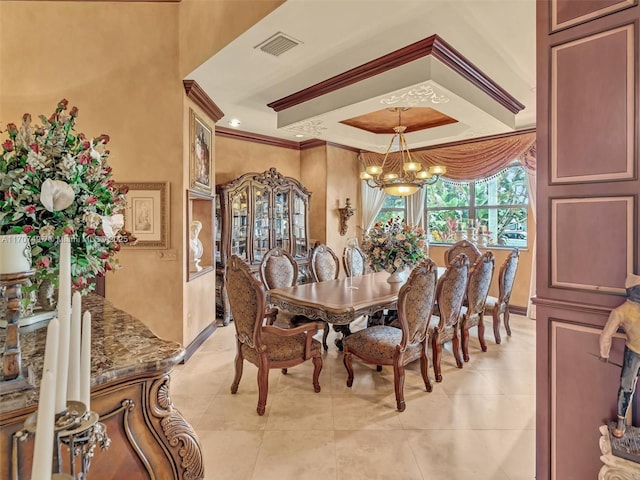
[354, 261]
[247, 300]
[415, 301]
[278, 269]
[507, 275]
[463, 246]
[324, 264]
[479, 282]
[451, 289]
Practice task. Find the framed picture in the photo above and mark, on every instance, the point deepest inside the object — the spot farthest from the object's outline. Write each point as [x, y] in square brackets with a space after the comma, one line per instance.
[146, 215]
[200, 172]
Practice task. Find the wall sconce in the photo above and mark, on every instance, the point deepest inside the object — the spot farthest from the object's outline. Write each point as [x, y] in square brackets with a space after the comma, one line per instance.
[345, 213]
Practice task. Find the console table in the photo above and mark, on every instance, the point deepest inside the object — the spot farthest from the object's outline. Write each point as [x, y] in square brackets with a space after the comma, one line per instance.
[130, 391]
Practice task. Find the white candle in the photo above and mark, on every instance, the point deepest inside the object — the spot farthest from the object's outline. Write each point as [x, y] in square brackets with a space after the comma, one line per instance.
[43, 449]
[85, 362]
[73, 382]
[64, 316]
[15, 253]
[51, 347]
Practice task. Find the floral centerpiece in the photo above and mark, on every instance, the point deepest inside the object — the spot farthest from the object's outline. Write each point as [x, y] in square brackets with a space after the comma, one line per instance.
[54, 182]
[394, 245]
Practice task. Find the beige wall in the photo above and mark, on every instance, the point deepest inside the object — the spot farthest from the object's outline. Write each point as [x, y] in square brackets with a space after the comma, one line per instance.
[236, 157]
[313, 166]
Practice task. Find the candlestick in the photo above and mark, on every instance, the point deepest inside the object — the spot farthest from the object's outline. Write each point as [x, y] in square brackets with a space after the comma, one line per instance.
[50, 362]
[85, 363]
[43, 449]
[73, 382]
[15, 254]
[64, 316]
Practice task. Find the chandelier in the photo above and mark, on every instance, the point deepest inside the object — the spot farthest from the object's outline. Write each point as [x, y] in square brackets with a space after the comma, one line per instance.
[406, 178]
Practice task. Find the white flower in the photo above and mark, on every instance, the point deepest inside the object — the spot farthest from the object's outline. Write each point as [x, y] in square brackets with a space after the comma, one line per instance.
[37, 160]
[400, 237]
[68, 166]
[95, 154]
[91, 219]
[56, 195]
[112, 224]
[47, 231]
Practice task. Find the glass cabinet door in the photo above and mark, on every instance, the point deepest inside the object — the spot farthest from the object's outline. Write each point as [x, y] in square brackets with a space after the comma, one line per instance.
[299, 227]
[238, 201]
[281, 221]
[218, 229]
[261, 223]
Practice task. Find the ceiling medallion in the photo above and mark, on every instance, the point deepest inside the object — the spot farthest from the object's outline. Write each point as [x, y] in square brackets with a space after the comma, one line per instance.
[312, 128]
[415, 96]
[406, 178]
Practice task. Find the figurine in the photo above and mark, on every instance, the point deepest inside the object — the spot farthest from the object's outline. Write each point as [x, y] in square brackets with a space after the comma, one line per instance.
[626, 316]
[195, 247]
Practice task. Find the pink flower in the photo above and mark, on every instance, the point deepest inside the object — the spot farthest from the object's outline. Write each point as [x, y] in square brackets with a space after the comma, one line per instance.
[68, 230]
[12, 129]
[90, 231]
[34, 147]
[28, 229]
[91, 200]
[103, 255]
[43, 262]
[8, 146]
[30, 209]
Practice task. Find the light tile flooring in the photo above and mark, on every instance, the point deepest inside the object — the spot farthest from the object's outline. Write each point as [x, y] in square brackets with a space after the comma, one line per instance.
[479, 423]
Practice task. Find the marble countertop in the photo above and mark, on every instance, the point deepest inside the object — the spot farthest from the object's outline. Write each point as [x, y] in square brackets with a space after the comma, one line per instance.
[122, 346]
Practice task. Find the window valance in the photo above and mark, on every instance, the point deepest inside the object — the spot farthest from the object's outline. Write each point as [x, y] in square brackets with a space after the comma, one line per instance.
[469, 160]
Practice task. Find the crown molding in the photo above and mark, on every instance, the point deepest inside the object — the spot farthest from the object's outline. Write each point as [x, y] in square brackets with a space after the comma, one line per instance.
[201, 99]
[256, 138]
[313, 143]
[433, 45]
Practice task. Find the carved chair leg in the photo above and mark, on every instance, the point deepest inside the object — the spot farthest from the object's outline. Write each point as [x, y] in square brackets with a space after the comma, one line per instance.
[464, 332]
[284, 371]
[424, 367]
[346, 359]
[506, 320]
[483, 344]
[456, 347]
[239, 362]
[436, 350]
[398, 381]
[263, 386]
[317, 368]
[496, 323]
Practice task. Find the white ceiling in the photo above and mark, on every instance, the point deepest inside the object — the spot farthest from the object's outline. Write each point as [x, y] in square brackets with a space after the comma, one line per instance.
[497, 36]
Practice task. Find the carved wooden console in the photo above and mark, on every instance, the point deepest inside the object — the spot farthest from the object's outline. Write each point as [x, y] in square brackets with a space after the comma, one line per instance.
[130, 391]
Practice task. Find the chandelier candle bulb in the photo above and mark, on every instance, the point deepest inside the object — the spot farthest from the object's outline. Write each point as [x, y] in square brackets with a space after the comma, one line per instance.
[412, 166]
[374, 169]
[85, 361]
[15, 254]
[438, 170]
[43, 449]
[73, 382]
[64, 316]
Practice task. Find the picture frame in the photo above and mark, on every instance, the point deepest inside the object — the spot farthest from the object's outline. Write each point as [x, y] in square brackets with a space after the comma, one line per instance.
[146, 215]
[200, 148]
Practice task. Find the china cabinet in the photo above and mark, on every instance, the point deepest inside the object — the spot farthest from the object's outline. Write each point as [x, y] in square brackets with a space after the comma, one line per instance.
[257, 212]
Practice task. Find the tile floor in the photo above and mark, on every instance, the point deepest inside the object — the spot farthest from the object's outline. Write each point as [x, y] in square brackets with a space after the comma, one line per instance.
[479, 423]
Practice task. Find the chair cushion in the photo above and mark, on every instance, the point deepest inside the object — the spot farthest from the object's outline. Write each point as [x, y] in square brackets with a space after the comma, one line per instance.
[280, 348]
[490, 304]
[377, 342]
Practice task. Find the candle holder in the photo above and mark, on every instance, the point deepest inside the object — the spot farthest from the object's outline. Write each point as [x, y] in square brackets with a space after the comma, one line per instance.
[14, 377]
[78, 429]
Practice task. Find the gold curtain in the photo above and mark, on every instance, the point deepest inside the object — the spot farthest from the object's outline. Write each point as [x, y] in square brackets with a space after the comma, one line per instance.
[469, 160]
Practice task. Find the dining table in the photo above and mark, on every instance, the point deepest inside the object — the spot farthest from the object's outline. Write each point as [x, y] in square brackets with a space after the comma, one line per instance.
[341, 301]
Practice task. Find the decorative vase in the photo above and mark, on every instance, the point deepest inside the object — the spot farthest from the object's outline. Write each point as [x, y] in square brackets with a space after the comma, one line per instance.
[397, 276]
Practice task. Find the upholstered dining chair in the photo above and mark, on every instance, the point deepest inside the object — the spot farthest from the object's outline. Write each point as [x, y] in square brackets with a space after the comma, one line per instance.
[387, 345]
[444, 326]
[472, 313]
[354, 261]
[266, 346]
[324, 266]
[500, 305]
[463, 246]
[278, 269]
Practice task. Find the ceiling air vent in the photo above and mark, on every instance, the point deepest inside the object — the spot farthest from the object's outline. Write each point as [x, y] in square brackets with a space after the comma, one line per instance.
[278, 44]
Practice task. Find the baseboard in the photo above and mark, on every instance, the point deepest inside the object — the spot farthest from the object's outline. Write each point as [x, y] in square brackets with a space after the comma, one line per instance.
[199, 340]
[518, 310]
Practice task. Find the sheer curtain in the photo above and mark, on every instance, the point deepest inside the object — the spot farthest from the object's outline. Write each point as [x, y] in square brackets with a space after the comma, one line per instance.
[371, 201]
[415, 208]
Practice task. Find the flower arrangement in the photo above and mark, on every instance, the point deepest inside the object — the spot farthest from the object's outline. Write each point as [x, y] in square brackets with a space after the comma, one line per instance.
[54, 182]
[394, 245]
